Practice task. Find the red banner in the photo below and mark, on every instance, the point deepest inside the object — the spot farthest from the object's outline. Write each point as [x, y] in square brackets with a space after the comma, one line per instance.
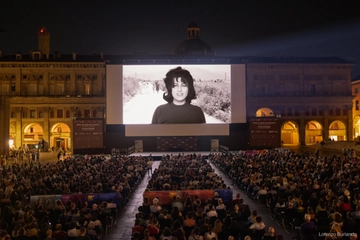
[166, 197]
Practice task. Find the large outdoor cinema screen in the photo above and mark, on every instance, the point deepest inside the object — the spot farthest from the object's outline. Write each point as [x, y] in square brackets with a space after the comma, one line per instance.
[175, 100]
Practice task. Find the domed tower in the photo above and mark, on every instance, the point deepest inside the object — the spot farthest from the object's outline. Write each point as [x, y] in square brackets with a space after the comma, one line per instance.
[193, 45]
[44, 41]
[193, 31]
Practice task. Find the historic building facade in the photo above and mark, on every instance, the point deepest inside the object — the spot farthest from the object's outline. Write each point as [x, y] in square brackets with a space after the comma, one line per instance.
[312, 96]
[43, 92]
[355, 87]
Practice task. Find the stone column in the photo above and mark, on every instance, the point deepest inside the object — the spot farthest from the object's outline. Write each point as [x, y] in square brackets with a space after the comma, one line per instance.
[47, 130]
[350, 124]
[45, 81]
[4, 124]
[18, 128]
[326, 123]
[302, 130]
[73, 118]
[73, 84]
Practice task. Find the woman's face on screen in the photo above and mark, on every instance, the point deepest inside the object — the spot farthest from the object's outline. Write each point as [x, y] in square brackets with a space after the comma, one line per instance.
[179, 91]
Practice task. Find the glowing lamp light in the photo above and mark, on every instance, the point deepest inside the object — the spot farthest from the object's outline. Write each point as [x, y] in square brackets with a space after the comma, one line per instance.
[11, 143]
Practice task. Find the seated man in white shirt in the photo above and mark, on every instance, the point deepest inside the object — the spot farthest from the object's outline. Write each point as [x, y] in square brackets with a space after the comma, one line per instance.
[258, 225]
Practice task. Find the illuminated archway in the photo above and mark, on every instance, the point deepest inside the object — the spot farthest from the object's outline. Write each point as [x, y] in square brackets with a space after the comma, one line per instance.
[289, 133]
[356, 126]
[33, 135]
[12, 137]
[337, 131]
[264, 112]
[313, 132]
[60, 136]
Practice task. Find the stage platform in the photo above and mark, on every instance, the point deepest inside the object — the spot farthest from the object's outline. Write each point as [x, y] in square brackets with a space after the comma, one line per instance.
[158, 155]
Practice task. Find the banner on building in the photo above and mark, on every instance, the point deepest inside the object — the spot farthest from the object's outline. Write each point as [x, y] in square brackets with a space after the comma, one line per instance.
[265, 132]
[214, 145]
[138, 145]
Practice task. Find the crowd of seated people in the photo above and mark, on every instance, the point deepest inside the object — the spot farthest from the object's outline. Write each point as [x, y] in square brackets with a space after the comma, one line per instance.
[184, 172]
[314, 195]
[21, 218]
[189, 218]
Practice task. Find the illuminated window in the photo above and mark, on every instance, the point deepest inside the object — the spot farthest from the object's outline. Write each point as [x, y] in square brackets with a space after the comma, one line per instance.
[32, 113]
[87, 89]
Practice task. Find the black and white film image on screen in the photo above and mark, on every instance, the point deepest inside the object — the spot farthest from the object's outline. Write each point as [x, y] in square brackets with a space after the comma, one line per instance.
[143, 89]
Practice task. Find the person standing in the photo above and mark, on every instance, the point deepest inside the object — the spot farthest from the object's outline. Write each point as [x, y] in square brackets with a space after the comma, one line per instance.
[149, 165]
[37, 157]
[59, 156]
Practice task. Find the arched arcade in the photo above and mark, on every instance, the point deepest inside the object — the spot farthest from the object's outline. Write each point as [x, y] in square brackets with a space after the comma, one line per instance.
[32, 136]
[290, 133]
[60, 136]
[313, 132]
[264, 112]
[337, 131]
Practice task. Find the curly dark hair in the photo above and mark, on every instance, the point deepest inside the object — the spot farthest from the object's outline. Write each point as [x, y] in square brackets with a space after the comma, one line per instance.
[185, 77]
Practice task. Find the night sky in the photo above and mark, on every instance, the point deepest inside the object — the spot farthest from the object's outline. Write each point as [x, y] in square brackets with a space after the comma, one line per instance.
[232, 28]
